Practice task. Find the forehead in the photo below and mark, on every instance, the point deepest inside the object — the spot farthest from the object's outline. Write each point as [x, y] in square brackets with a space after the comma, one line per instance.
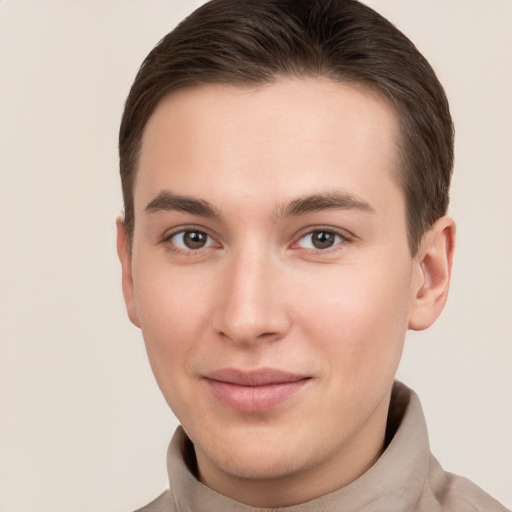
[289, 138]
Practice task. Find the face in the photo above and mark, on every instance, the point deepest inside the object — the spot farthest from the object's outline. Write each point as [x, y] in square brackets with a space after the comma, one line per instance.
[272, 279]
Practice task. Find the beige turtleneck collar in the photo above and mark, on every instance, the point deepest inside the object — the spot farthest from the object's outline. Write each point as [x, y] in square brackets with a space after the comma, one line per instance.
[406, 478]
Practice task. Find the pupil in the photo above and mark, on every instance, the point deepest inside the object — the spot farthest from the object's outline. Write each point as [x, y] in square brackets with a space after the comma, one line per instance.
[194, 239]
[322, 239]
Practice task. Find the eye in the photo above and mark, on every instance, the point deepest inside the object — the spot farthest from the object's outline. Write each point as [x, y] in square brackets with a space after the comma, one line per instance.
[320, 239]
[191, 240]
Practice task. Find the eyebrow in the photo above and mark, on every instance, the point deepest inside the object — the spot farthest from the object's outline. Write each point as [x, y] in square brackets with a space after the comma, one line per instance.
[324, 201]
[167, 201]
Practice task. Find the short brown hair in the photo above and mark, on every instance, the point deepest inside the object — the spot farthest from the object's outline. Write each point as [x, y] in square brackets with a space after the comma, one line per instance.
[251, 42]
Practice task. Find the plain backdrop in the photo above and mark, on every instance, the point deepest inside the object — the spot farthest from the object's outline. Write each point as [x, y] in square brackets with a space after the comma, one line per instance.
[82, 424]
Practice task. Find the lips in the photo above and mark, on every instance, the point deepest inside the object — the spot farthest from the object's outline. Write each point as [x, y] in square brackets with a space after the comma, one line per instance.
[254, 391]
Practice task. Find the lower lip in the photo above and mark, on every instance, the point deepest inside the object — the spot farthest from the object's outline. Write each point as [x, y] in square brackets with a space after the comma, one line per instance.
[254, 398]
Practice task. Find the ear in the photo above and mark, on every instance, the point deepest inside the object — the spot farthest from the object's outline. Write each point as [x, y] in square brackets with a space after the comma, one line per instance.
[433, 264]
[125, 257]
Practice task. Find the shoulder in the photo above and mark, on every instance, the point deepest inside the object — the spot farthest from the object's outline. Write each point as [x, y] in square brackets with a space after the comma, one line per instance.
[164, 503]
[458, 494]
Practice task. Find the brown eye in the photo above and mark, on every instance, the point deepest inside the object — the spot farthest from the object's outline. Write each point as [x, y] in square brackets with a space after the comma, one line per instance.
[194, 239]
[320, 240]
[191, 240]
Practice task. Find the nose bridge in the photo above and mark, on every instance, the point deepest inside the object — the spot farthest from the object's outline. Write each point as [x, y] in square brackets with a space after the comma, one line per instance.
[251, 307]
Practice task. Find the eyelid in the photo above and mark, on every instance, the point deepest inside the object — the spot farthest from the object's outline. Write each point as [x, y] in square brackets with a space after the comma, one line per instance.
[346, 237]
[168, 235]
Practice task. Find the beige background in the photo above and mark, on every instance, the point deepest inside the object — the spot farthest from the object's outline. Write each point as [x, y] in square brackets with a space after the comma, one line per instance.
[82, 424]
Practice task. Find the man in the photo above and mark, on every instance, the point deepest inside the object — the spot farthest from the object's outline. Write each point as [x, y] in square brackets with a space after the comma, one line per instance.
[285, 169]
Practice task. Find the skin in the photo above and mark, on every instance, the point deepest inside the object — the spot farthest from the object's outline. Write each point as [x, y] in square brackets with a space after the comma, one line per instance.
[259, 294]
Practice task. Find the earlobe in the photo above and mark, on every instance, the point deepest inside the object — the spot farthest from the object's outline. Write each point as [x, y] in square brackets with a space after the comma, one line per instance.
[125, 257]
[433, 272]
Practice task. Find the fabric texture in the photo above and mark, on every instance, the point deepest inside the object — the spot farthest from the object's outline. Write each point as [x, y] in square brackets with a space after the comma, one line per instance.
[406, 478]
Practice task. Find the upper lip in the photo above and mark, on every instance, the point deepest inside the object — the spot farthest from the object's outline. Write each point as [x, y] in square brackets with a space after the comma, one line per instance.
[259, 377]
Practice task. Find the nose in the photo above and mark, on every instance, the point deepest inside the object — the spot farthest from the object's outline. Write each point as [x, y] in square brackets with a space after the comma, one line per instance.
[251, 305]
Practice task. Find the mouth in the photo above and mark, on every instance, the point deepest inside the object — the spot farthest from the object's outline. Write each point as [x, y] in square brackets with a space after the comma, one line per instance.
[254, 391]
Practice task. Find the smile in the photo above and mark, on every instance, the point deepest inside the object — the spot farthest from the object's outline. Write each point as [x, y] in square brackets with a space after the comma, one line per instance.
[255, 391]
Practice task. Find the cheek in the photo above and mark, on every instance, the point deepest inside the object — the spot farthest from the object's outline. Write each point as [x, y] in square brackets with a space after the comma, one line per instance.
[170, 301]
[173, 316]
[359, 320]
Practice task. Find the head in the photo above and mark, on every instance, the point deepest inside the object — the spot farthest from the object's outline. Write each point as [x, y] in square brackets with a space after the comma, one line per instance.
[285, 169]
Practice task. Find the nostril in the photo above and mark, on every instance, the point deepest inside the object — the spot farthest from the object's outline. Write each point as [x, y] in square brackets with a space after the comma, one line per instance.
[267, 335]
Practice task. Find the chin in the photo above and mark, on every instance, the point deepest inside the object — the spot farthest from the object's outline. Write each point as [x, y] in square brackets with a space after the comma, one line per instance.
[255, 453]
[260, 465]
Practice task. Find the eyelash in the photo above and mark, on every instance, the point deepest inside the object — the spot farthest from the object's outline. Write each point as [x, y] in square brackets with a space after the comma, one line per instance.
[342, 236]
[167, 239]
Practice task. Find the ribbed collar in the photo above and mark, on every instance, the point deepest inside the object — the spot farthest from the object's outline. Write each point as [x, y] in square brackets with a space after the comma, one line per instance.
[394, 483]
